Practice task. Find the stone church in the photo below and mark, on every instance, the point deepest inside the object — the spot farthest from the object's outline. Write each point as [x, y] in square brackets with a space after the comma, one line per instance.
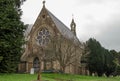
[52, 46]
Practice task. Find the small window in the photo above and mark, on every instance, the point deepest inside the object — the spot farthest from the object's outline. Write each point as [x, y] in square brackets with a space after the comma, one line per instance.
[43, 16]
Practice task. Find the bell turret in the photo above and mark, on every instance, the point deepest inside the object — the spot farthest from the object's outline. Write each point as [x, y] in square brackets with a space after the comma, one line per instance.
[73, 27]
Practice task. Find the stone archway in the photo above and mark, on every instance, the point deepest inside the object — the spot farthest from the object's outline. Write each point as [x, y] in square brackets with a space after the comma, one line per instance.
[36, 64]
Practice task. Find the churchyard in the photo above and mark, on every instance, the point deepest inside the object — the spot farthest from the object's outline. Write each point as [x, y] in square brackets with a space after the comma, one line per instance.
[54, 77]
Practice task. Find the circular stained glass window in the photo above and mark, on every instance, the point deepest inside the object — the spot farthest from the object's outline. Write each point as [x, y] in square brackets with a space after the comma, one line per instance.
[43, 37]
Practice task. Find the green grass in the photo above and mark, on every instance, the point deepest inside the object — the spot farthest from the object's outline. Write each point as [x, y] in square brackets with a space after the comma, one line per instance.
[52, 77]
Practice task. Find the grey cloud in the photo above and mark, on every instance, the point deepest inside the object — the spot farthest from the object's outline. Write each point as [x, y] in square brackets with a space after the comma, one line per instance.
[110, 35]
[94, 1]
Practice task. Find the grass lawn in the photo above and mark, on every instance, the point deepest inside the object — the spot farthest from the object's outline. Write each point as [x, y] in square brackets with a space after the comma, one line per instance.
[52, 77]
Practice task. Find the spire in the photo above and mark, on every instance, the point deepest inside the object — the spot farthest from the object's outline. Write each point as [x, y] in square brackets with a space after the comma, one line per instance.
[73, 26]
[43, 3]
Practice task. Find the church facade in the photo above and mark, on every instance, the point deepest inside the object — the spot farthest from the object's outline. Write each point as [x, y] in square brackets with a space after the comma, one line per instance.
[52, 46]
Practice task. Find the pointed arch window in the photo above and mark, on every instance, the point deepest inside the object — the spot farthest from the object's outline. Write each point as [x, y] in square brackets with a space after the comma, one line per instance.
[36, 64]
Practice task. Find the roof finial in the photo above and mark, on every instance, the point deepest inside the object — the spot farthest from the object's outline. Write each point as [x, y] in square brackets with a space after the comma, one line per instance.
[73, 26]
[43, 2]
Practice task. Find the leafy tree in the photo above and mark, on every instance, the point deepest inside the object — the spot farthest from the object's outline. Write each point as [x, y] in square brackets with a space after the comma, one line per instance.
[117, 71]
[116, 62]
[95, 57]
[101, 60]
[119, 58]
[1, 58]
[110, 62]
[116, 56]
[11, 34]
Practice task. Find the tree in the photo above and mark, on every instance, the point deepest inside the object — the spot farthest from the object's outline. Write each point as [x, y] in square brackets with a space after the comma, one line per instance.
[11, 34]
[115, 62]
[65, 52]
[99, 59]
[119, 58]
[110, 61]
[1, 58]
[96, 58]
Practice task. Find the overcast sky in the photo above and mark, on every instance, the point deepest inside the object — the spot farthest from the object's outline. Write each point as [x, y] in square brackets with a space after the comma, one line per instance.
[99, 19]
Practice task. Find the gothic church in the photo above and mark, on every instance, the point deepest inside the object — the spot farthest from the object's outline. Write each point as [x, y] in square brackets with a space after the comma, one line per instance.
[52, 46]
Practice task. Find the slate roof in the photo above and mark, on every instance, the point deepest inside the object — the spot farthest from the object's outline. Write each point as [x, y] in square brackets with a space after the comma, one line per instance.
[64, 30]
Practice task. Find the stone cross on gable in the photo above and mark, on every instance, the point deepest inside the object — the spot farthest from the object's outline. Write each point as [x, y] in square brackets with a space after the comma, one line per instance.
[43, 2]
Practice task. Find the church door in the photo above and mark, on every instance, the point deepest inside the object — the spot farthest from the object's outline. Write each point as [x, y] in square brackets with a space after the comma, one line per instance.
[36, 64]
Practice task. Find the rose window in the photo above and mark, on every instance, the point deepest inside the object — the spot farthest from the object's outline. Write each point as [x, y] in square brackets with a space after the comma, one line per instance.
[43, 37]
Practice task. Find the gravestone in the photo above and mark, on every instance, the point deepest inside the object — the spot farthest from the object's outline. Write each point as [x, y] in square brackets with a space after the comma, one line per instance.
[32, 71]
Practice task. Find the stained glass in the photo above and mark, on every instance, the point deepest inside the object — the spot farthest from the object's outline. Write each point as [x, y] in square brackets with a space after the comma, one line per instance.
[40, 33]
[47, 32]
[43, 37]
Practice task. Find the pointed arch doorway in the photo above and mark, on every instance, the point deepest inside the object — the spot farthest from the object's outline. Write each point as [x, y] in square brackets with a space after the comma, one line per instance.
[36, 64]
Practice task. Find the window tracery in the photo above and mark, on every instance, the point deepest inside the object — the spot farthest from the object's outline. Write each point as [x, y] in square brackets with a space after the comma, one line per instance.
[43, 37]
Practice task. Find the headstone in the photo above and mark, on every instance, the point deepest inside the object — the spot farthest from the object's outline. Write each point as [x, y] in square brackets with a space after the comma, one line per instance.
[32, 71]
[93, 74]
